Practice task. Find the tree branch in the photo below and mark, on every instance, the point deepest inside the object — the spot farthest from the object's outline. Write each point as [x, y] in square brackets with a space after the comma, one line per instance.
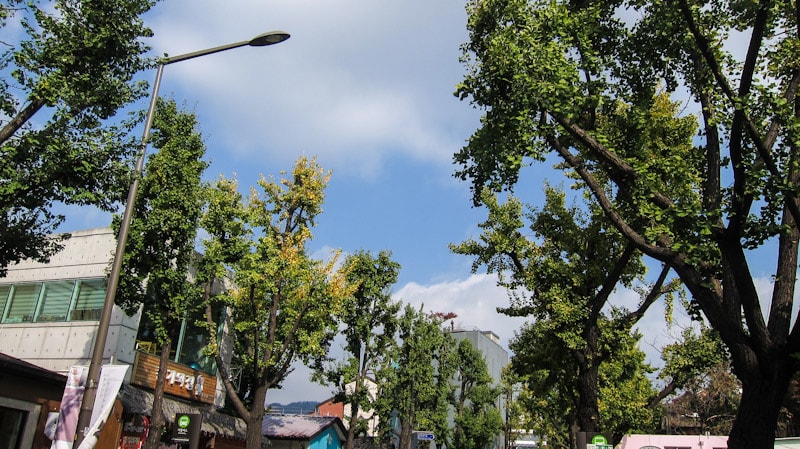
[660, 253]
[600, 299]
[655, 292]
[20, 119]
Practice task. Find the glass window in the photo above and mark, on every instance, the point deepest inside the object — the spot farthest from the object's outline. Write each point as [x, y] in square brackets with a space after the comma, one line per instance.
[90, 297]
[195, 339]
[4, 291]
[56, 299]
[23, 303]
[190, 343]
[12, 423]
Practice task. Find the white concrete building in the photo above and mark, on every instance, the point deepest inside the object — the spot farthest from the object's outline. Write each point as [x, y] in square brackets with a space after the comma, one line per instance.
[49, 312]
[49, 315]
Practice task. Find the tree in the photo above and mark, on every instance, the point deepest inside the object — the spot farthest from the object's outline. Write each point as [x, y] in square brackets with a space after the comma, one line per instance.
[624, 391]
[562, 276]
[478, 421]
[589, 84]
[282, 302]
[369, 321]
[60, 142]
[415, 383]
[160, 247]
[709, 400]
[688, 361]
[518, 419]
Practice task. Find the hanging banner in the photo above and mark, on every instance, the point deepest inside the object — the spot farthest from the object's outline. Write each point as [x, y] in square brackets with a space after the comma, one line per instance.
[111, 377]
[70, 408]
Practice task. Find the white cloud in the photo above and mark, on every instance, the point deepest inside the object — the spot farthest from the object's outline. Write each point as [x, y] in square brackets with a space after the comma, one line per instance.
[474, 299]
[356, 82]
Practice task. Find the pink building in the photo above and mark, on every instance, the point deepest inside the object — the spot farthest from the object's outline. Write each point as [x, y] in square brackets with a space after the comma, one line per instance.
[673, 442]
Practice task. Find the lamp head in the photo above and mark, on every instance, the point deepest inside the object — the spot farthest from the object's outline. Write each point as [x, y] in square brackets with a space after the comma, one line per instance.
[268, 38]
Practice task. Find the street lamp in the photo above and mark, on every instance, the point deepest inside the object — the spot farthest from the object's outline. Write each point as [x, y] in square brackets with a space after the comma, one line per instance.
[93, 376]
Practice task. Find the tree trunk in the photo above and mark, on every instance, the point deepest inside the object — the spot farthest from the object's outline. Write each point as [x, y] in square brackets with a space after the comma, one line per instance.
[757, 418]
[157, 421]
[587, 411]
[256, 419]
[405, 434]
[587, 397]
[353, 422]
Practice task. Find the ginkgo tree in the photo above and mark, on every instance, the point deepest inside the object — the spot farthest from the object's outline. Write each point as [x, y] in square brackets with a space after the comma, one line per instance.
[160, 248]
[67, 68]
[562, 264]
[368, 322]
[415, 381]
[681, 118]
[282, 302]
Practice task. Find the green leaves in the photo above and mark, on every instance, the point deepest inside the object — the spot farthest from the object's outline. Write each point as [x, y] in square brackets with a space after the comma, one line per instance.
[415, 380]
[160, 246]
[282, 302]
[680, 119]
[477, 418]
[61, 142]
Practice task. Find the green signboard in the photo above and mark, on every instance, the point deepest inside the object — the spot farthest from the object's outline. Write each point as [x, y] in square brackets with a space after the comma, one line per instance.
[186, 431]
[599, 439]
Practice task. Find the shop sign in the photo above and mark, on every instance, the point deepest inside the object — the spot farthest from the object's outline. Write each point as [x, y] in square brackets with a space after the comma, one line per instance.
[187, 429]
[181, 381]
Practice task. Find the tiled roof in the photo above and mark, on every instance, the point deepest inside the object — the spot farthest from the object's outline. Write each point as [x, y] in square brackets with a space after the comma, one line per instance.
[298, 427]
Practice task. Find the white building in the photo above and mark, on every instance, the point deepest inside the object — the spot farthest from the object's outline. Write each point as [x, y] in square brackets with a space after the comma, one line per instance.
[49, 316]
[49, 312]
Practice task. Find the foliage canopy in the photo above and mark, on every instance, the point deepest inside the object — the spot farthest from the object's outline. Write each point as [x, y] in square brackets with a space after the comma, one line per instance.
[66, 69]
[688, 145]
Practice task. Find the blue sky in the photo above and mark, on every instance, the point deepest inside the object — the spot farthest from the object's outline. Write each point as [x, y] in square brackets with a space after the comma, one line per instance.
[367, 87]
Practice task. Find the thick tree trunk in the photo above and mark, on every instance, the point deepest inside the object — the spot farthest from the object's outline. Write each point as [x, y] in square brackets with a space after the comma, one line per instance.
[256, 419]
[587, 412]
[757, 417]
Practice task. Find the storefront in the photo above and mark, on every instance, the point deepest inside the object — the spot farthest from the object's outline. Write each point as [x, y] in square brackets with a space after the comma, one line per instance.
[218, 431]
[188, 390]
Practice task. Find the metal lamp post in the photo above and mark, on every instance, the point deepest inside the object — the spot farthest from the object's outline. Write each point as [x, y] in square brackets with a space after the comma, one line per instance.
[93, 376]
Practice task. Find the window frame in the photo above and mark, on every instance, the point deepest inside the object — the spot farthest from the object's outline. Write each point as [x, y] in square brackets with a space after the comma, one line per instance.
[91, 305]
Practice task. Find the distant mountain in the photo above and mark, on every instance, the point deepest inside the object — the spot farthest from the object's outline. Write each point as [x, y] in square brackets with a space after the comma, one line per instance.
[294, 408]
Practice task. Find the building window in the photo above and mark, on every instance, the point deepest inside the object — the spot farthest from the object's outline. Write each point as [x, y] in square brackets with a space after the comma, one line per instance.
[18, 421]
[4, 291]
[55, 300]
[90, 298]
[52, 301]
[189, 341]
[22, 303]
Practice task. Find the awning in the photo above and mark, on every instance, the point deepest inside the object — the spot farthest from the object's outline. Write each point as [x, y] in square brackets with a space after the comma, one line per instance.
[137, 400]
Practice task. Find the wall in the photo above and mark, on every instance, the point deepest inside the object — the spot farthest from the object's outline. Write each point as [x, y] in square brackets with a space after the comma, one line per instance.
[58, 345]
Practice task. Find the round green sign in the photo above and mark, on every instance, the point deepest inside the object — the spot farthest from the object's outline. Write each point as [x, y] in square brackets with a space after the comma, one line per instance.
[183, 422]
[599, 439]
